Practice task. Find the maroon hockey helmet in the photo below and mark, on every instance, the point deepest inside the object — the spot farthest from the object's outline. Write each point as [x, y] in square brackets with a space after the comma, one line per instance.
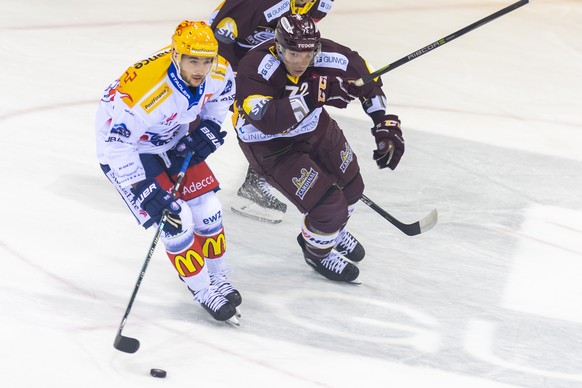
[298, 33]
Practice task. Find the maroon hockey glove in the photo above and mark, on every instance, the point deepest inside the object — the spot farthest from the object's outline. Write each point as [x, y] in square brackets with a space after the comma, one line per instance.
[390, 142]
[152, 198]
[334, 91]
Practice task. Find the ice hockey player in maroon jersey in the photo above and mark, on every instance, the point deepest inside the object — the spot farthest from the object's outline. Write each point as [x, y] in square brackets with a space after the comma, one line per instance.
[288, 137]
[239, 25]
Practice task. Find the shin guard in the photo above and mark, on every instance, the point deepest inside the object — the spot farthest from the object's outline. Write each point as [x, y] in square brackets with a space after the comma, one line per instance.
[213, 248]
[190, 265]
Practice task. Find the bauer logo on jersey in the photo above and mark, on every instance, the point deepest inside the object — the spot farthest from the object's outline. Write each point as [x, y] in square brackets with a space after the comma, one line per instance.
[277, 10]
[154, 100]
[332, 60]
[346, 156]
[304, 182]
[268, 66]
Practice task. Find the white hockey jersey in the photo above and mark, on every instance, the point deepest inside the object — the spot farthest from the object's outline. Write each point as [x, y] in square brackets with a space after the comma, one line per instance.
[148, 109]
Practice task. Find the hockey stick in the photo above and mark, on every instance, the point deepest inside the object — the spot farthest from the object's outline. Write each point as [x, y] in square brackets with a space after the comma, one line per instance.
[128, 344]
[413, 229]
[367, 78]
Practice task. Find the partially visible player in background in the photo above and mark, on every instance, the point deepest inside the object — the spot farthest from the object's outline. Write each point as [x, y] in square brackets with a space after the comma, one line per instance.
[239, 25]
[163, 107]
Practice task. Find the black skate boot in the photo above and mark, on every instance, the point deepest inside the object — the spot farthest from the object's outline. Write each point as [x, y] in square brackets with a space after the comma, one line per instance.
[220, 281]
[333, 266]
[216, 304]
[350, 248]
[257, 190]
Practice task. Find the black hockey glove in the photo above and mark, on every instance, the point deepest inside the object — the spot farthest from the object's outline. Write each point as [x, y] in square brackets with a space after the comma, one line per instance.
[152, 198]
[334, 91]
[202, 141]
[390, 142]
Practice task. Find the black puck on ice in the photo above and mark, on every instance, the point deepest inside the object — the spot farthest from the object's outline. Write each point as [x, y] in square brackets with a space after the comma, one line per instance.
[158, 372]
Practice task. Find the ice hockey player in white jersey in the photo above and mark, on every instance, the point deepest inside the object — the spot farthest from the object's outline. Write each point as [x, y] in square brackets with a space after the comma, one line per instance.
[161, 109]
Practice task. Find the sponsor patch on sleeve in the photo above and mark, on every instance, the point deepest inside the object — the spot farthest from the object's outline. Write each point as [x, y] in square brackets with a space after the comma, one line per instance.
[268, 66]
[158, 96]
[332, 60]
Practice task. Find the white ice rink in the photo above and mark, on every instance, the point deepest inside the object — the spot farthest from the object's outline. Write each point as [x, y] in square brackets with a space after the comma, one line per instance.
[491, 297]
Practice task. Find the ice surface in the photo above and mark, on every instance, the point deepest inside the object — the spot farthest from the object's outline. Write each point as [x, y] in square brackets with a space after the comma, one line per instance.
[490, 297]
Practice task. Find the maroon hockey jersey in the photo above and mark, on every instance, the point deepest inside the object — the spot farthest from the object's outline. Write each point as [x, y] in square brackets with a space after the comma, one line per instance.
[269, 101]
[240, 25]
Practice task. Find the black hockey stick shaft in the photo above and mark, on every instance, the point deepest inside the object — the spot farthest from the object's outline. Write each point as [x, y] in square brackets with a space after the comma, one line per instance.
[428, 48]
[413, 229]
[128, 344]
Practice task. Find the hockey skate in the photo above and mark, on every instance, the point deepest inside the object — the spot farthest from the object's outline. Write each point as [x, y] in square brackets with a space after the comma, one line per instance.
[225, 288]
[334, 266]
[350, 248]
[216, 304]
[255, 200]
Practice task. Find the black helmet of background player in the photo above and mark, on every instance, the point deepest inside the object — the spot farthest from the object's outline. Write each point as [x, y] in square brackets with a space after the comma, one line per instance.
[297, 34]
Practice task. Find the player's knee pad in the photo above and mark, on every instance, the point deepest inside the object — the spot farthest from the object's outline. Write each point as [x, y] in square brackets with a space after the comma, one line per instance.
[206, 213]
[329, 214]
[183, 239]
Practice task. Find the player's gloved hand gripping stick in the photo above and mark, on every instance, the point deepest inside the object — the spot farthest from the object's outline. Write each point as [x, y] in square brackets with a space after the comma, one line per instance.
[431, 219]
[128, 344]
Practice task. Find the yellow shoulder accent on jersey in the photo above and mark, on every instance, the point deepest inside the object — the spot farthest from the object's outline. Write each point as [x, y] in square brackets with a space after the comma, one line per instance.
[253, 104]
[301, 10]
[295, 80]
[140, 78]
[227, 28]
[219, 69]
[236, 115]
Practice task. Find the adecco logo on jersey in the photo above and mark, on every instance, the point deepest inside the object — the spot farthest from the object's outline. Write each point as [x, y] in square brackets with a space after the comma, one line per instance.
[199, 185]
[277, 10]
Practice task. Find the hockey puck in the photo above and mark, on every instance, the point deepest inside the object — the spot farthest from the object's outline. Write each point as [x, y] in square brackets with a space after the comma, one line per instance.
[158, 373]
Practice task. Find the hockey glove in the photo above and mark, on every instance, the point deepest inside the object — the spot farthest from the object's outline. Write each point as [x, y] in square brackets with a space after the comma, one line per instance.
[152, 198]
[334, 91]
[389, 141]
[202, 141]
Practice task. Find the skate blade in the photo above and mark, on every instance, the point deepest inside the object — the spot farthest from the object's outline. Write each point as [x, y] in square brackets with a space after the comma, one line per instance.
[249, 209]
[233, 321]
